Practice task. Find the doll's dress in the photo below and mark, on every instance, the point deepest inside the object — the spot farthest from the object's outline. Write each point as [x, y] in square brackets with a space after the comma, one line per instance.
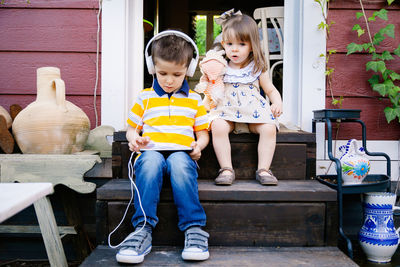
[242, 100]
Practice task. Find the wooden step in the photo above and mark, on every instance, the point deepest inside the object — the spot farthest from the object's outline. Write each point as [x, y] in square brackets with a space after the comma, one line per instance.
[294, 213]
[294, 157]
[233, 256]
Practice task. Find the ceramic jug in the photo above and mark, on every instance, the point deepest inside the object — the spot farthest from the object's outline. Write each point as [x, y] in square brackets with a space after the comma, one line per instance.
[378, 237]
[51, 124]
[355, 166]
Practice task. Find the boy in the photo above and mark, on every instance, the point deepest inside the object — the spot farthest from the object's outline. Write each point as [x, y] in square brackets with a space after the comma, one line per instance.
[169, 115]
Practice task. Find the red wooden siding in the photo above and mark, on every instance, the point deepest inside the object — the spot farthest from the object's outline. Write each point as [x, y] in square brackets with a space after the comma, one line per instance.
[49, 33]
[350, 79]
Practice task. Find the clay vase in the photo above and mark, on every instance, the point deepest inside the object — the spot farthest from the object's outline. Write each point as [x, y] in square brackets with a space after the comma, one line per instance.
[355, 166]
[51, 124]
[378, 237]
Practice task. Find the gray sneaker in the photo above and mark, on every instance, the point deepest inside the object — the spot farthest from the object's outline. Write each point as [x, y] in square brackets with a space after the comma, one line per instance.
[196, 244]
[135, 247]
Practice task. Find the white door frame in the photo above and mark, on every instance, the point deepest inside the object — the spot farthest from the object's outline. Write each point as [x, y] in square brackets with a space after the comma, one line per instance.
[122, 61]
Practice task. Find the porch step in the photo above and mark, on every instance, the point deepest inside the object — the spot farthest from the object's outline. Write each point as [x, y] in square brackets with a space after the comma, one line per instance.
[233, 256]
[294, 157]
[294, 213]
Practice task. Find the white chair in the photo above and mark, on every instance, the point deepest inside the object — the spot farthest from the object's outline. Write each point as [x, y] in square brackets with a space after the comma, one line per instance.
[274, 15]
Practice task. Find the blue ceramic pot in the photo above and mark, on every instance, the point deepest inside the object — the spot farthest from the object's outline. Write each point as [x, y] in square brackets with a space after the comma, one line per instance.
[378, 237]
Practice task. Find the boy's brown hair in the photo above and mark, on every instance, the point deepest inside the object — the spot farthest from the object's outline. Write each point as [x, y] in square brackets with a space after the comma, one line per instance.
[244, 28]
[172, 48]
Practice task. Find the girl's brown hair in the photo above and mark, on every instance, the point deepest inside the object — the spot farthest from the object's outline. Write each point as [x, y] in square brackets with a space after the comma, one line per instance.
[244, 28]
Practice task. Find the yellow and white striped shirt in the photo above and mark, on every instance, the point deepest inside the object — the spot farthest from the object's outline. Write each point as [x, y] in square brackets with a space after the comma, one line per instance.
[170, 120]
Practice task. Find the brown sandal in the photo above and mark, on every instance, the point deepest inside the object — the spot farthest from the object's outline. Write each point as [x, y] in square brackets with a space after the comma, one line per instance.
[225, 179]
[266, 179]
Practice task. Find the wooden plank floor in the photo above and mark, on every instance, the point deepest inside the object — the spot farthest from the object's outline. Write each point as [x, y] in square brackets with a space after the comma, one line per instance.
[233, 256]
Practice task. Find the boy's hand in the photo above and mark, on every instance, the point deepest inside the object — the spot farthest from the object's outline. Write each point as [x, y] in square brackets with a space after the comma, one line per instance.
[139, 142]
[276, 110]
[196, 152]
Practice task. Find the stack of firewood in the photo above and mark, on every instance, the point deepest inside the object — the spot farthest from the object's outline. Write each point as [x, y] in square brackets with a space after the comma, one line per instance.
[7, 141]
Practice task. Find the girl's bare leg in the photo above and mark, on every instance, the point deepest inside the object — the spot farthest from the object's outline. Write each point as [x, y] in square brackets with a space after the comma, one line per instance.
[220, 130]
[266, 143]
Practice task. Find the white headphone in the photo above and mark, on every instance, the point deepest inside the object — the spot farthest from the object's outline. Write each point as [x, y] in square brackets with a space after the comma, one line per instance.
[193, 63]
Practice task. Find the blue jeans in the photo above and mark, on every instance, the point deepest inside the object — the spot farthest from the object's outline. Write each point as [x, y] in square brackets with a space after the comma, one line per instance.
[150, 169]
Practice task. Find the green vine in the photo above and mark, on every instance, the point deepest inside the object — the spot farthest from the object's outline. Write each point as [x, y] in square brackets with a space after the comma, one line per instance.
[325, 25]
[383, 81]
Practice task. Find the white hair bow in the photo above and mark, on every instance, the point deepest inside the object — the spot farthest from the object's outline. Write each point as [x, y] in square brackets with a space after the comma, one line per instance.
[227, 15]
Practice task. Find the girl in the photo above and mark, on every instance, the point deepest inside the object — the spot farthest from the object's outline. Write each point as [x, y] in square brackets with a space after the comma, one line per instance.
[245, 74]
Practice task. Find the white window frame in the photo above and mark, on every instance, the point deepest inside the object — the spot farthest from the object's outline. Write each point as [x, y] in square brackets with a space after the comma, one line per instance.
[122, 61]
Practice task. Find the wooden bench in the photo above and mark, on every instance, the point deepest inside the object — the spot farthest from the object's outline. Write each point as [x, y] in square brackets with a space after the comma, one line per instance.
[67, 170]
[14, 197]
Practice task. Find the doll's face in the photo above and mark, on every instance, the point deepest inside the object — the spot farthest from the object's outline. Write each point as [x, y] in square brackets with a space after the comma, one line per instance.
[213, 68]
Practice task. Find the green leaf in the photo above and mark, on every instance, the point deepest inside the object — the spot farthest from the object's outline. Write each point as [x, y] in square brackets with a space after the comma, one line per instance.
[386, 74]
[356, 27]
[371, 49]
[366, 46]
[387, 56]
[377, 66]
[332, 51]
[394, 76]
[359, 15]
[390, 2]
[393, 92]
[388, 30]
[322, 25]
[378, 38]
[391, 113]
[374, 79]
[376, 56]
[397, 51]
[353, 47]
[382, 14]
[383, 88]
[360, 31]
[329, 71]
[396, 101]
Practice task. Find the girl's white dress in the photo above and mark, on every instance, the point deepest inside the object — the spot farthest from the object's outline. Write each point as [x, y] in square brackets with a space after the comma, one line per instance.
[242, 100]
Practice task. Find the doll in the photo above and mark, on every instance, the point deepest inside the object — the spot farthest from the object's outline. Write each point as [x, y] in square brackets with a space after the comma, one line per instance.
[211, 83]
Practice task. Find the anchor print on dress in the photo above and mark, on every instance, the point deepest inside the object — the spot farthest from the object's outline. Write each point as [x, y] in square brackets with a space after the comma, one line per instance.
[239, 103]
[262, 103]
[222, 114]
[251, 86]
[256, 114]
[233, 93]
[228, 104]
[238, 115]
[242, 93]
[272, 116]
[235, 85]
